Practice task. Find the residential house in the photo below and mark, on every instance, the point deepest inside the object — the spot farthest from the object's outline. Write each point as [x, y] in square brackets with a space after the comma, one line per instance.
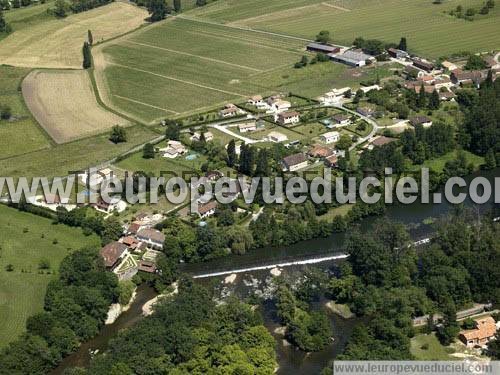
[207, 209]
[196, 137]
[96, 178]
[442, 81]
[330, 137]
[449, 65]
[331, 161]
[484, 332]
[341, 119]
[382, 140]
[113, 253]
[365, 111]
[421, 120]
[114, 204]
[213, 175]
[173, 149]
[426, 79]
[427, 88]
[147, 266]
[351, 58]
[411, 72]
[474, 77]
[152, 237]
[446, 95]
[322, 48]
[294, 162]
[423, 65]
[230, 110]
[256, 101]
[288, 118]
[247, 127]
[397, 53]
[131, 242]
[276, 104]
[133, 229]
[320, 151]
[276, 137]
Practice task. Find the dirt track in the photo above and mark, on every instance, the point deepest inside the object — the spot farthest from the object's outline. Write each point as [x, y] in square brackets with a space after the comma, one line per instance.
[64, 104]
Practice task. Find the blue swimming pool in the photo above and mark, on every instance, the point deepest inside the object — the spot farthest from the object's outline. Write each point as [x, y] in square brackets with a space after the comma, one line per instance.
[191, 157]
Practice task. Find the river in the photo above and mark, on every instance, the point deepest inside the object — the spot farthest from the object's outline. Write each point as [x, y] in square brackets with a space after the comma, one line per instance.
[291, 361]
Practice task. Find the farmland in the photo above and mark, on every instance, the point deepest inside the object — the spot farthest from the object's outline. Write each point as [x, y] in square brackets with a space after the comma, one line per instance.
[33, 138]
[56, 99]
[22, 293]
[59, 160]
[179, 65]
[57, 43]
[429, 30]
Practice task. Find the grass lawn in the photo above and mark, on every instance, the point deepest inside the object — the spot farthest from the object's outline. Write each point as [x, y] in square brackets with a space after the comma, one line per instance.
[434, 352]
[437, 164]
[26, 17]
[428, 29]
[22, 293]
[59, 160]
[341, 210]
[160, 165]
[33, 137]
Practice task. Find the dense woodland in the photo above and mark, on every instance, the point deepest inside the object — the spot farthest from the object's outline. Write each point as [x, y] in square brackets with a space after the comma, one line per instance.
[76, 306]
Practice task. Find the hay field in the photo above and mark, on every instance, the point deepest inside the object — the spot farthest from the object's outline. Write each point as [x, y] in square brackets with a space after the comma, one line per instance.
[64, 104]
[180, 66]
[57, 43]
[429, 31]
[22, 293]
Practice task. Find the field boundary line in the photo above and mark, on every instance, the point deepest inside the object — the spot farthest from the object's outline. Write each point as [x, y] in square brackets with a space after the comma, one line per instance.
[244, 28]
[179, 80]
[197, 56]
[335, 7]
[146, 104]
[245, 41]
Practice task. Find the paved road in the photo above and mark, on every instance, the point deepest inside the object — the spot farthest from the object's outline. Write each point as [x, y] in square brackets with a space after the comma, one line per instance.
[373, 123]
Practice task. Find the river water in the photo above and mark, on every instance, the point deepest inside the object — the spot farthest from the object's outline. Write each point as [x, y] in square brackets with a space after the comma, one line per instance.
[291, 361]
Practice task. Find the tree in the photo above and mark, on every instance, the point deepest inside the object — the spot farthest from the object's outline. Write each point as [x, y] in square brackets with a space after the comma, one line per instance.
[475, 62]
[157, 9]
[173, 131]
[177, 6]
[323, 37]
[87, 56]
[490, 161]
[200, 3]
[4, 26]
[490, 4]
[262, 165]
[16, 3]
[402, 44]
[5, 112]
[344, 142]
[434, 100]
[90, 38]
[148, 152]
[359, 94]
[232, 157]
[118, 134]
[60, 8]
[112, 230]
[450, 328]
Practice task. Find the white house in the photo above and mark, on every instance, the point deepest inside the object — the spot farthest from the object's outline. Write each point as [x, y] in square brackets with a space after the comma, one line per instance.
[334, 96]
[256, 101]
[230, 110]
[96, 178]
[288, 118]
[207, 209]
[330, 137]
[294, 162]
[277, 137]
[115, 204]
[278, 105]
[341, 119]
[152, 237]
[196, 137]
[173, 149]
[247, 127]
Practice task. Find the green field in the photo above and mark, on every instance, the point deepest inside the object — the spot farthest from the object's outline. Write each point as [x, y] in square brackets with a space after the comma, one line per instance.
[427, 348]
[26, 17]
[179, 65]
[22, 134]
[59, 160]
[22, 292]
[429, 31]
